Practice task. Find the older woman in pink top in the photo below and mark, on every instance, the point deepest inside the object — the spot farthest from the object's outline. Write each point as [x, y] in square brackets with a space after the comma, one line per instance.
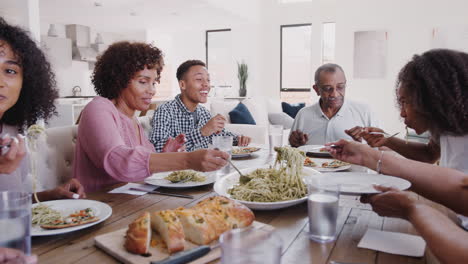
[112, 146]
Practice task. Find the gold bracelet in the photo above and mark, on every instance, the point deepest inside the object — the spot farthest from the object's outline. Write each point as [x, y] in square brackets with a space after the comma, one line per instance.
[379, 162]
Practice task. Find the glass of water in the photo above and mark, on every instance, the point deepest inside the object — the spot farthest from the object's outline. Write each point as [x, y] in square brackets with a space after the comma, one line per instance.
[275, 137]
[223, 143]
[250, 245]
[15, 220]
[322, 202]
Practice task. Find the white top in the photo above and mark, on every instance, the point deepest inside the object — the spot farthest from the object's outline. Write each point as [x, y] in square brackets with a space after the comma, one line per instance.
[454, 154]
[320, 129]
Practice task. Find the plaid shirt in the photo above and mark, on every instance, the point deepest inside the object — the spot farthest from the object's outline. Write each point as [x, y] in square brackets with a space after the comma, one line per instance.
[173, 118]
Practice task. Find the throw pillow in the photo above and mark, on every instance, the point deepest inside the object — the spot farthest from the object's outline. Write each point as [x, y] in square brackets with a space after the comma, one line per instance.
[281, 119]
[292, 109]
[241, 115]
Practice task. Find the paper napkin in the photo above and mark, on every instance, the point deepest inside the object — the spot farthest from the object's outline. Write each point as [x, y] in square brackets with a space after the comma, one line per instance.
[394, 243]
[126, 188]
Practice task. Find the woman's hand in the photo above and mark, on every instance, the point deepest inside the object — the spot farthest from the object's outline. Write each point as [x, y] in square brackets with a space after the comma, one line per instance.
[207, 159]
[349, 151]
[69, 190]
[14, 256]
[392, 202]
[374, 140]
[355, 133]
[11, 156]
[243, 141]
[176, 144]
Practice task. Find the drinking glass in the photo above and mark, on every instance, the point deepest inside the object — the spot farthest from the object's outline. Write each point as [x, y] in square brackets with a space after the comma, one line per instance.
[15, 220]
[275, 137]
[223, 143]
[322, 202]
[250, 245]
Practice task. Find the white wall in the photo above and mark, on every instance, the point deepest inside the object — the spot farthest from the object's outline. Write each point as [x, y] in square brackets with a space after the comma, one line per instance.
[409, 24]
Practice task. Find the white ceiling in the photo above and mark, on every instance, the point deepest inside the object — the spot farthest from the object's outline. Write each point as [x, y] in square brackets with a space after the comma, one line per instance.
[115, 15]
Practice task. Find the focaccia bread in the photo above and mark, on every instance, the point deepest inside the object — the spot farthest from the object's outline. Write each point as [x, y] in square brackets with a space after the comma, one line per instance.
[234, 213]
[168, 225]
[138, 236]
[196, 226]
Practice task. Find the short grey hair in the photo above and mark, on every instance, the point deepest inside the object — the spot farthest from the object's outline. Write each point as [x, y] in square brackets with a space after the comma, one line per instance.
[328, 67]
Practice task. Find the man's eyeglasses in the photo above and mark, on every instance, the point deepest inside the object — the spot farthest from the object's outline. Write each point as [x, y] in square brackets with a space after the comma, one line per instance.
[329, 89]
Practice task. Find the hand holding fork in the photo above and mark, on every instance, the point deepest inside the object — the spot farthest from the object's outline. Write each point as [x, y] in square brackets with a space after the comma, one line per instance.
[376, 137]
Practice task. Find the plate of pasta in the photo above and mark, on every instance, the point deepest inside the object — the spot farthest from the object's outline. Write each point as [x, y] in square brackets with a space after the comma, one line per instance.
[242, 152]
[63, 216]
[181, 179]
[228, 183]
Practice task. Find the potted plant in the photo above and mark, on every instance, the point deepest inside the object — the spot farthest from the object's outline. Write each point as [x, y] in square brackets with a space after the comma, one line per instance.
[242, 74]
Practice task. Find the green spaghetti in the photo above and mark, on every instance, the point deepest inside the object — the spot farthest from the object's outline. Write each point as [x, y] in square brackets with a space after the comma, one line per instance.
[185, 176]
[44, 215]
[281, 183]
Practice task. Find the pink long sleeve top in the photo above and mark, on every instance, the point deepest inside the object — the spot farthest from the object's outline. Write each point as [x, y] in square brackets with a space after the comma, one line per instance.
[107, 150]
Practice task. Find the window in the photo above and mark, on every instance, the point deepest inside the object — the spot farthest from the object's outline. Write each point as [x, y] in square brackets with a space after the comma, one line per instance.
[328, 42]
[295, 60]
[219, 59]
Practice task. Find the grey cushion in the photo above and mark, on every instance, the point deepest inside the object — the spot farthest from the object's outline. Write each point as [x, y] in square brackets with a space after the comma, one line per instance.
[281, 119]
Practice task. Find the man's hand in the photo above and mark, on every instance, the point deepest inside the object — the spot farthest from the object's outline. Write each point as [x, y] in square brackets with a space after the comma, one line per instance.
[355, 133]
[374, 140]
[297, 138]
[391, 202]
[243, 141]
[176, 144]
[13, 151]
[207, 159]
[214, 125]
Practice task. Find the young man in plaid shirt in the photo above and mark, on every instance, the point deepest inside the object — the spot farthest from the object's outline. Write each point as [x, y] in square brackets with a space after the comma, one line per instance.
[184, 115]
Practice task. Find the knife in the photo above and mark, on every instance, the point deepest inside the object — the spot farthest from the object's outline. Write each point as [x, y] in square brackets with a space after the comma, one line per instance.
[186, 255]
[163, 193]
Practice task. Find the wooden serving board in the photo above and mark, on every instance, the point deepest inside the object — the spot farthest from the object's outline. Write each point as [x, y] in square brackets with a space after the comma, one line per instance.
[112, 243]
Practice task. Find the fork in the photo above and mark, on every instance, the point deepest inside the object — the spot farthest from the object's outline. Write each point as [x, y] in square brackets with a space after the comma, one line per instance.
[384, 133]
[242, 178]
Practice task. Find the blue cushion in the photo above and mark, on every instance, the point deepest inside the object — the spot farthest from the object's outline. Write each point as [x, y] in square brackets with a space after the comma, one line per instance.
[241, 115]
[292, 109]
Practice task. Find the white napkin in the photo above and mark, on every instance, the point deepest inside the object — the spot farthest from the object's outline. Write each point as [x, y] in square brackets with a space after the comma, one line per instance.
[126, 188]
[394, 243]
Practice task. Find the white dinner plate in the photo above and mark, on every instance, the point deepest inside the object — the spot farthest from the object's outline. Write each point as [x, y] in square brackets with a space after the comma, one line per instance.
[67, 207]
[243, 155]
[227, 182]
[158, 180]
[314, 150]
[320, 162]
[356, 183]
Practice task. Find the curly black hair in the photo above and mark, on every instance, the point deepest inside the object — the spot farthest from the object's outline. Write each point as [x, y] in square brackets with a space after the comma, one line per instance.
[185, 67]
[118, 64]
[36, 99]
[436, 84]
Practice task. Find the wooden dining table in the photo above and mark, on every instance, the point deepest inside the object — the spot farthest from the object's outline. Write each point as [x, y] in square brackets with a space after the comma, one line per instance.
[291, 224]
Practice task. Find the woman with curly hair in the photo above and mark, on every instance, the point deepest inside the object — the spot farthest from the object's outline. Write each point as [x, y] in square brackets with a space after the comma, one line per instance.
[432, 96]
[27, 94]
[112, 146]
[432, 92]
